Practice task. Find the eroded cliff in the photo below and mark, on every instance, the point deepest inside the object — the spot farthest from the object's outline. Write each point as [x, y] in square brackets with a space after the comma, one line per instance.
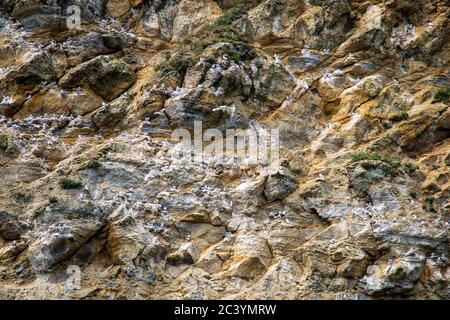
[357, 207]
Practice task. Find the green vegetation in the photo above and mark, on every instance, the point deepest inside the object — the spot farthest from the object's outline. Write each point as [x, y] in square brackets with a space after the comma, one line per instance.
[179, 62]
[5, 141]
[369, 165]
[222, 29]
[373, 156]
[68, 183]
[108, 149]
[429, 200]
[442, 95]
[188, 53]
[413, 194]
[237, 52]
[93, 164]
[118, 65]
[259, 64]
[361, 156]
[403, 115]
[410, 169]
[234, 13]
[52, 199]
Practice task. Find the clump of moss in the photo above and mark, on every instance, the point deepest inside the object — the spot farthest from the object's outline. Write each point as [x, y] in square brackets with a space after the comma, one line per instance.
[5, 141]
[442, 95]
[234, 13]
[220, 30]
[69, 183]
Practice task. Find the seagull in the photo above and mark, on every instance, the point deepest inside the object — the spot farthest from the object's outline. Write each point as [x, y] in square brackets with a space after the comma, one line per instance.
[277, 59]
[229, 109]
[389, 266]
[396, 84]
[161, 113]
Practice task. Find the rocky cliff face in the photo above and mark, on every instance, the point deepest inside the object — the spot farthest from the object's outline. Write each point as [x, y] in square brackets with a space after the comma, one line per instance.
[93, 205]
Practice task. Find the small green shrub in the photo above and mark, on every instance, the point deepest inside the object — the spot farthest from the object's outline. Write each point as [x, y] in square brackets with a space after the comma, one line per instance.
[93, 164]
[392, 170]
[118, 65]
[410, 169]
[369, 166]
[180, 61]
[429, 200]
[69, 183]
[108, 149]
[52, 199]
[442, 95]
[373, 156]
[366, 156]
[5, 141]
[259, 64]
[237, 52]
[412, 194]
[403, 115]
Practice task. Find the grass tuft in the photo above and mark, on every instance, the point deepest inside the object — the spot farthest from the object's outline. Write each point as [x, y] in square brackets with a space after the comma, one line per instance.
[442, 95]
[5, 141]
[69, 183]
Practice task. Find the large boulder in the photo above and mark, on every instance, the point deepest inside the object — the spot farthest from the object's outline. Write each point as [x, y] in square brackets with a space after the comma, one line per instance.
[36, 69]
[395, 273]
[105, 75]
[279, 185]
[61, 229]
[10, 228]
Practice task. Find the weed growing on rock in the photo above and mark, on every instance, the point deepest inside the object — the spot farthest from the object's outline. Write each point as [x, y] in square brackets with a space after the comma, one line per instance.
[412, 194]
[108, 149]
[5, 141]
[178, 62]
[69, 183]
[369, 165]
[52, 199]
[93, 164]
[410, 169]
[373, 156]
[442, 95]
[118, 65]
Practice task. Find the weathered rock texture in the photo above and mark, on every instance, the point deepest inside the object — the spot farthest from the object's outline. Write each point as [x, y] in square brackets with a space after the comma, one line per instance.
[356, 208]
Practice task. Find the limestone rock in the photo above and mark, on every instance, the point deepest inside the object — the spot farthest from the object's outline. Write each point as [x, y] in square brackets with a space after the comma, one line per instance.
[395, 274]
[279, 185]
[106, 76]
[10, 228]
[352, 205]
[67, 227]
[117, 8]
